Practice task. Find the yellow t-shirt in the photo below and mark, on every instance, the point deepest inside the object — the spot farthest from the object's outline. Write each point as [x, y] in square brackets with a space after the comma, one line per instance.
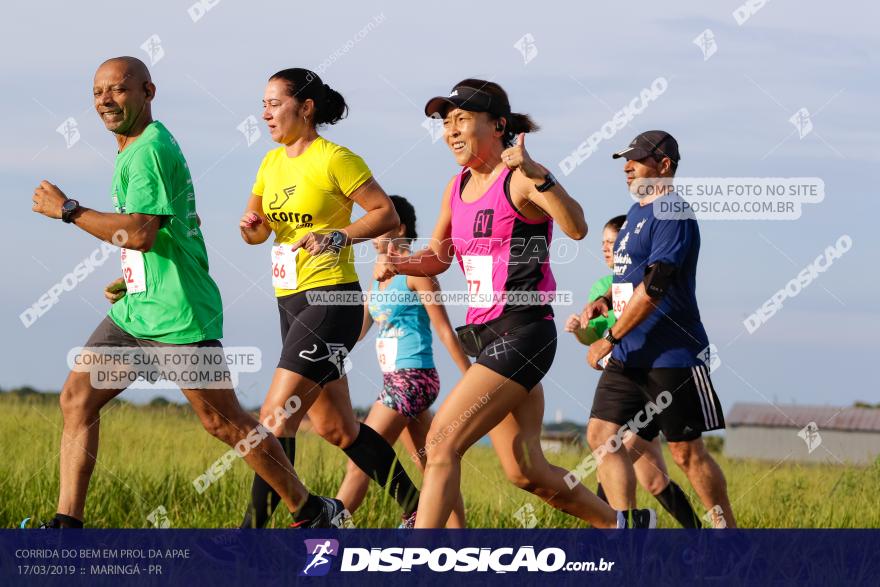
[310, 193]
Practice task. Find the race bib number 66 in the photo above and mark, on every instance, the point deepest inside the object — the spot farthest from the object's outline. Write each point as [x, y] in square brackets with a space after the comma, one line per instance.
[283, 267]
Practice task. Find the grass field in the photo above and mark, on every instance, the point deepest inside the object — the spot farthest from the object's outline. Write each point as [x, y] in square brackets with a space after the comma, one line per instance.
[150, 455]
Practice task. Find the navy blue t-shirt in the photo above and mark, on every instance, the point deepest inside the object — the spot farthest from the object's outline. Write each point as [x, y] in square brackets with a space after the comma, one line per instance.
[672, 335]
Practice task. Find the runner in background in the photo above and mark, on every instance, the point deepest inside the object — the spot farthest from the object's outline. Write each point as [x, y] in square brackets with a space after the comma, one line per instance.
[595, 328]
[644, 447]
[303, 195]
[496, 219]
[404, 308]
[658, 342]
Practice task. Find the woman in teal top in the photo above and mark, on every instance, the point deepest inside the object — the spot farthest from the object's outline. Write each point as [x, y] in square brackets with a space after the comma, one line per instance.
[404, 339]
[404, 308]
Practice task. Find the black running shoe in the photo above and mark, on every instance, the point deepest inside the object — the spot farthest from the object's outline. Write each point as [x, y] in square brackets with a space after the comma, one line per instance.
[646, 518]
[333, 515]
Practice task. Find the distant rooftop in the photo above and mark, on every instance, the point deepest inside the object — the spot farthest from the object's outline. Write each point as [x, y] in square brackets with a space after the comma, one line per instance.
[794, 416]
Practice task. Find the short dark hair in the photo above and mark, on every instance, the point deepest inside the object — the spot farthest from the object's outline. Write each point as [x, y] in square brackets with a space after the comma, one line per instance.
[616, 223]
[673, 164]
[407, 215]
[303, 84]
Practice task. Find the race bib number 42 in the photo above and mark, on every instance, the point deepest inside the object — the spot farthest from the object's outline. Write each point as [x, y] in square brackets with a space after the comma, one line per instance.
[283, 267]
[133, 271]
[620, 295]
[478, 273]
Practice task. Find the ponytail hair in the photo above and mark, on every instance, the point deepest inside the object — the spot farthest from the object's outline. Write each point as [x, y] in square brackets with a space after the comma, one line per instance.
[333, 109]
[303, 84]
[515, 123]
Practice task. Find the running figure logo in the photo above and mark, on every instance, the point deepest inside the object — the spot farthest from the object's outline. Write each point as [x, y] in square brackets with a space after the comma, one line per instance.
[802, 122]
[527, 47]
[153, 47]
[319, 556]
[706, 42]
[250, 129]
[69, 129]
[810, 435]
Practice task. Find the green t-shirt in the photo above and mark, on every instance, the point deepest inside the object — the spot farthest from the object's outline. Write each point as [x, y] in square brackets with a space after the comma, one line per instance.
[181, 303]
[600, 324]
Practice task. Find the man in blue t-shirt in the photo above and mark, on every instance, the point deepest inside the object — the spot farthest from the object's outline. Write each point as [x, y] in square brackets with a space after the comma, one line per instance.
[658, 339]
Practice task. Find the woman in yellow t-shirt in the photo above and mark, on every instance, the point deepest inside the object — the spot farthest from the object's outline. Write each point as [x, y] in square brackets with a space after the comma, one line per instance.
[303, 194]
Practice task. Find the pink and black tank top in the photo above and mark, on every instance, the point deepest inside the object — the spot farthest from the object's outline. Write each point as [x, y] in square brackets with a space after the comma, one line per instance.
[504, 255]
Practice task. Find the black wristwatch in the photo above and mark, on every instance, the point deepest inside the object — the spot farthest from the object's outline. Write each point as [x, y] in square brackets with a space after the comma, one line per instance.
[549, 182]
[68, 209]
[337, 240]
[610, 337]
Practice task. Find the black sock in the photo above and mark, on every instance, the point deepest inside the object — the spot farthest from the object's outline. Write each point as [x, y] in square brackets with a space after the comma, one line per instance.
[376, 458]
[600, 493]
[309, 510]
[674, 500]
[264, 499]
[67, 521]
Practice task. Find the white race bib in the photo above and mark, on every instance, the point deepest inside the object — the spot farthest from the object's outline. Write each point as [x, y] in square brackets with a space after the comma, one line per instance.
[386, 351]
[478, 273]
[133, 271]
[620, 295]
[283, 267]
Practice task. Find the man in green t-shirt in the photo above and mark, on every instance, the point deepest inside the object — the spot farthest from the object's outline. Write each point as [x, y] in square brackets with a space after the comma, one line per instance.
[166, 308]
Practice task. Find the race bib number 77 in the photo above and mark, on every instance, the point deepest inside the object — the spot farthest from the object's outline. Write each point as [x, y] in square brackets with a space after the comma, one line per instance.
[478, 273]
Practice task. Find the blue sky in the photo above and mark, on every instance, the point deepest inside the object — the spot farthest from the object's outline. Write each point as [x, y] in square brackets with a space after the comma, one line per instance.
[730, 114]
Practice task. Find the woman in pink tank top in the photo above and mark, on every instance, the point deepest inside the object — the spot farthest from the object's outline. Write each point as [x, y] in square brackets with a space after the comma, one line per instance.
[497, 220]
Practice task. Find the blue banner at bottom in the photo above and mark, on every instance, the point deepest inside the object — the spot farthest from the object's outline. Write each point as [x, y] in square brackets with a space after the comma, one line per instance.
[389, 557]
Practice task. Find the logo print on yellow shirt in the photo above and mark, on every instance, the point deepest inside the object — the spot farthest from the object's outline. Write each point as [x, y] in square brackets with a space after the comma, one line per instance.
[278, 202]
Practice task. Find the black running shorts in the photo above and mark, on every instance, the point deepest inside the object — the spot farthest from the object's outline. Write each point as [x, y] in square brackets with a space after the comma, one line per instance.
[618, 401]
[317, 337]
[524, 354]
[684, 399]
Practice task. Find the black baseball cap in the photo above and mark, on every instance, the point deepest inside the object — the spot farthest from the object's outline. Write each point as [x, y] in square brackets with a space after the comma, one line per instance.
[467, 98]
[648, 144]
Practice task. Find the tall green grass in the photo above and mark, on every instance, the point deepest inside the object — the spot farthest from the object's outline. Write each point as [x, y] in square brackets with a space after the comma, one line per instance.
[149, 457]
